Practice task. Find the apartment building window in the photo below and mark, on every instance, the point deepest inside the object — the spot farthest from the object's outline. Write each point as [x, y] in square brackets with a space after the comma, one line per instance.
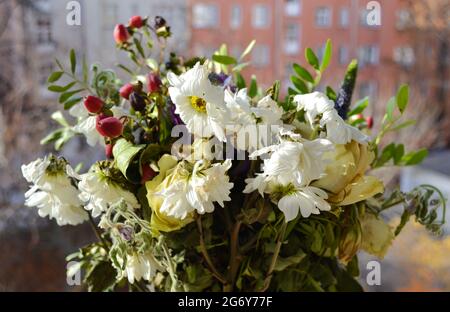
[344, 17]
[261, 55]
[292, 40]
[260, 16]
[404, 19]
[205, 16]
[343, 55]
[292, 7]
[44, 29]
[323, 17]
[368, 88]
[404, 56]
[110, 16]
[368, 55]
[236, 16]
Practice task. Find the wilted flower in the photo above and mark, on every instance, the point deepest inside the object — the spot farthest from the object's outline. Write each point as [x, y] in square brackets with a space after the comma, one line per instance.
[377, 236]
[53, 192]
[100, 190]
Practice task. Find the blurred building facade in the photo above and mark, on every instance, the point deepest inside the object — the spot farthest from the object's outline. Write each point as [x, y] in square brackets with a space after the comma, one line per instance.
[387, 52]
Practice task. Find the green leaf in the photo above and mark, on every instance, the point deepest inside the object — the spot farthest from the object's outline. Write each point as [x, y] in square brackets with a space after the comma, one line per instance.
[240, 67]
[398, 153]
[390, 108]
[152, 63]
[55, 76]
[248, 49]
[124, 68]
[66, 95]
[73, 61]
[360, 107]
[101, 277]
[283, 263]
[253, 90]
[403, 125]
[326, 56]
[240, 81]
[59, 118]
[138, 45]
[124, 153]
[303, 73]
[331, 94]
[402, 97]
[299, 84]
[224, 59]
[312, 58]
[59, 89]
[414, 158]
[386, 155]
[292, 91]
[85, 71]
[72, 102]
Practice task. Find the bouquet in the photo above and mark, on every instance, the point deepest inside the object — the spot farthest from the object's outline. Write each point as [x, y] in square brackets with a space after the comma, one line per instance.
[210, 183]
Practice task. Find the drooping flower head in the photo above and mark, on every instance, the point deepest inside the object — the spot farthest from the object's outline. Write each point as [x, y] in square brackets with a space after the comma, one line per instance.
[53, 191]
[104, 186]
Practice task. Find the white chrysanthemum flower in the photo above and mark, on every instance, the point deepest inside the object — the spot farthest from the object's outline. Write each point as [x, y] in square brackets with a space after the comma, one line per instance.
[199, 192]
[199, 103]
[139, 266]
[306, 200]
[99, 194]
[53, 192]
[291, 162]
[268, 111]
[253, 126]
[317, 104]
[86, 125]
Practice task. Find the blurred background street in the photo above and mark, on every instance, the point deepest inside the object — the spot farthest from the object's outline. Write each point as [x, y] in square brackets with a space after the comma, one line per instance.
[410, 44]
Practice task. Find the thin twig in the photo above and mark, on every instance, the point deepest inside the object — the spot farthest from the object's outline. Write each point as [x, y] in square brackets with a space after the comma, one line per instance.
[205, 254]
[97, 232]
[235, 258]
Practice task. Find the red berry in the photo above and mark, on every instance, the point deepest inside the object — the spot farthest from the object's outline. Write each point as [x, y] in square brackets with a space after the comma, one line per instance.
[108, 151]
[126, 90]
[369, 121]
[93, 104]
[153, 83]
[121, 34]
[110, 127]
[136, 22]
[359, 116]
[147, 173]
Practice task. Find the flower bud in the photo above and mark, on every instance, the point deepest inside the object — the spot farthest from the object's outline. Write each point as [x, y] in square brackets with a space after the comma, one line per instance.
[121, 34]
[135, 22]
[110, 127]
[159, 22]
[153, 83]
[126, 90]
[93, 104]
[369, 121]
[147, 173]
[137, 101]
[350, 243]
[108, 151]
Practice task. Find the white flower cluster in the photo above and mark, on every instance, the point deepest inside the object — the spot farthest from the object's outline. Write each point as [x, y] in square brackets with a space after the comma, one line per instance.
[294, 162]
[53, 191]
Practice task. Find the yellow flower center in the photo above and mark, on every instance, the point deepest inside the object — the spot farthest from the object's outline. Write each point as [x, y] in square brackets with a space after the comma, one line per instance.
[198, 104]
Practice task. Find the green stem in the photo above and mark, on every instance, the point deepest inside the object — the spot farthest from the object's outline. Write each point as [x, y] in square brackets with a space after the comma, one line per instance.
[280, 240]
